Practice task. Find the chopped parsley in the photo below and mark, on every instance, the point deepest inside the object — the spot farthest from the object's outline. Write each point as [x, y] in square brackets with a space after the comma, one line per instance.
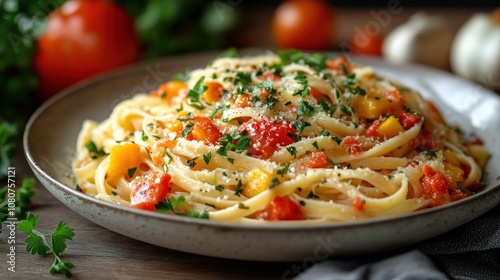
[305, 108]
[131, 172]
[207, 157]
[239, 188]
[284, 170]
[192, 162]
[292, 150]
[189, 116]
[274, 182]
[195, 94]
[95, 152]
[311, 195]
[300, 125]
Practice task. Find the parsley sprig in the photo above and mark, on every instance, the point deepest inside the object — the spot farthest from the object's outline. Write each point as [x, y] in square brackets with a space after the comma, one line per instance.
[22, 200]
[38, 243]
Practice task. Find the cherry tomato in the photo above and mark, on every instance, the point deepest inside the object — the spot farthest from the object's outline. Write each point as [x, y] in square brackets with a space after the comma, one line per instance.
[267, 135]
[367, 44]
[148, 190]
[283, 209]
[83, 38]
[303, 24]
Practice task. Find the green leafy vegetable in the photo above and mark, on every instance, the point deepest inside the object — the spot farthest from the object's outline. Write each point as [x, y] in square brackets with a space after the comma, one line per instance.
[38, 243]
[22, 199]
[195, 94]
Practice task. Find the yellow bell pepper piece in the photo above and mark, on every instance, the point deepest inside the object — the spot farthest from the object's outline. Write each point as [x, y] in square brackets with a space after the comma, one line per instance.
[390, 128]
[451, 158]
[456, 173]
[258, 181]
[122, 157]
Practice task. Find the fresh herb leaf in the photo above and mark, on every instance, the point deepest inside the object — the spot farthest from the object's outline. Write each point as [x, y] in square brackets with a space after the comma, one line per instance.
[219, 188]
[430, 153]
[312, 195]
[144, 137]
[94, 152]
[284, 170]
[37, 243]
[239, 188]
[305, 108]
[168, 205]
[292, 150]
[131, 172]
[207, 157]
[192, 162]
[195, 94]
[242, 144]
[274, 182]
[300, 125]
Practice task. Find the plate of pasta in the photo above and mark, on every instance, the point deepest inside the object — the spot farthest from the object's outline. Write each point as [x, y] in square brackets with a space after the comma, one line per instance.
[272, 156]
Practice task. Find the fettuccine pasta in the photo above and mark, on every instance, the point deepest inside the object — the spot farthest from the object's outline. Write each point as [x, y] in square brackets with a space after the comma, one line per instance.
[292, 136]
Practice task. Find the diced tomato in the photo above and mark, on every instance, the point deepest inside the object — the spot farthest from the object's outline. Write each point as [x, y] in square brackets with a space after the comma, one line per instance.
[315, 93]
[435, 186]
[393, 95]
[408, 120]
[204, 130]
[371, 131]
[268, 135]
[269, 75]
[458, 194]
[282, 208]
[351, 145]
[358, 203]
[318, 159]
[148, 190]
[339, 63]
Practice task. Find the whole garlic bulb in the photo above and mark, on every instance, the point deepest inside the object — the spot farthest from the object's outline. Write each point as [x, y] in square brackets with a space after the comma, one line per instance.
[423, 39]
[475, 53]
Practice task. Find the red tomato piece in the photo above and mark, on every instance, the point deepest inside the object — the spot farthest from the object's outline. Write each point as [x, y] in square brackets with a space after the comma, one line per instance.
[268, 135]
[435, 186]
[83, 38]
[371, 131]
[282, 208]
[318, 159]
[351, 145]
[358, 203]
[339, 64]
[148, 190]
[408, 120]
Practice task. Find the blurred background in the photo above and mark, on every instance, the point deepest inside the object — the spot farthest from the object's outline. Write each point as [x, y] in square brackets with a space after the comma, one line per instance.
[46, 46]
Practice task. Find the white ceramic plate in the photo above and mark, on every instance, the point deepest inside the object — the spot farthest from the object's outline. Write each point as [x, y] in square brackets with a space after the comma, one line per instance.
[51, 133]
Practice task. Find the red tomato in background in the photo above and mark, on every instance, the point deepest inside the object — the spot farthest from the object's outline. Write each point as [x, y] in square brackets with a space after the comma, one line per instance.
[367, 44]
[303, 24]
[83, 38]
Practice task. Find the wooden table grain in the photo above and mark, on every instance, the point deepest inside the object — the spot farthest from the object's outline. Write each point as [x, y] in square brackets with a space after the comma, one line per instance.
[100, 253]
